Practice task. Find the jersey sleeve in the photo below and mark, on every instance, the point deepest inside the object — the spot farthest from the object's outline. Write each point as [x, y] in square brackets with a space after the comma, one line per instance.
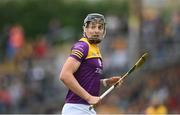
[79, 51]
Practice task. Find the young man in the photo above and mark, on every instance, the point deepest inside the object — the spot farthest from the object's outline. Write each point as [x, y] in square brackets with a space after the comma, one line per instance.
[82, 72]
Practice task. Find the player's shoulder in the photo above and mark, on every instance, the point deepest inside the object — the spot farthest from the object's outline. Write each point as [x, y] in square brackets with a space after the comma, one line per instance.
[79, 50]
[81, 45]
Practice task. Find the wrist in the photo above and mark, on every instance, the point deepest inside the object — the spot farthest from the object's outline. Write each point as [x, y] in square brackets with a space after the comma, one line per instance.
[87, 97]
[104, 81]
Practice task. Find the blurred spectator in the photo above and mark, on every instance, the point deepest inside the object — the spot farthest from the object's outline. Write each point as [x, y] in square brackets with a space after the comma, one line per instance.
[5, 97]
[38, 73]
[54, 31]
[113, 25]
[152, 32]
[15, 41]
[41, 47]
[119, 56]
[176, 30]
[16, 91]
[156, 107]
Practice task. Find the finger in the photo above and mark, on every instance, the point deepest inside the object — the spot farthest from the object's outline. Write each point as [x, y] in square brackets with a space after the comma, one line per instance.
[119, 84]
[116, 77]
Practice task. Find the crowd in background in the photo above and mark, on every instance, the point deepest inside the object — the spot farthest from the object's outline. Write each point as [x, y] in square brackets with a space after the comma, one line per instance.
[29, 70]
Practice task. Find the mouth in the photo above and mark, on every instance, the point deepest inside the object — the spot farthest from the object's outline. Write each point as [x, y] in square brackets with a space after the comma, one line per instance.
[95, 39]
[95, 36]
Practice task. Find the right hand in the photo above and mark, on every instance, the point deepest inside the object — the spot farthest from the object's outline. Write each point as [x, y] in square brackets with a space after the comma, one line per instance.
[93, 100]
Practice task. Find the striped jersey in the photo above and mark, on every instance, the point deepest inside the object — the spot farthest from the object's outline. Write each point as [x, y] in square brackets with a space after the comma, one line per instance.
[90, 71]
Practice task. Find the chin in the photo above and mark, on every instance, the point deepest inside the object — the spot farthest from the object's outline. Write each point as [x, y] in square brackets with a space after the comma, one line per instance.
[95, 41]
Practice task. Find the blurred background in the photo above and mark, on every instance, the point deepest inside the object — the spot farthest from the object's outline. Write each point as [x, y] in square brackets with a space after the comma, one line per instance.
[36, 37]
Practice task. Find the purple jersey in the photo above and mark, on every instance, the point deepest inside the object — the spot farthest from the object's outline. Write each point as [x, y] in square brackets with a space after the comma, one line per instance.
[90, 71]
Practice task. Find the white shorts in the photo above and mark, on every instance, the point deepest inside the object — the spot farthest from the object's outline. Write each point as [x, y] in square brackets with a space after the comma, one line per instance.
[77, 109]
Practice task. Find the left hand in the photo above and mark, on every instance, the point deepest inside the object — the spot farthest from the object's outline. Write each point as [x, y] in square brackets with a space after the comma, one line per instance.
[112, 80]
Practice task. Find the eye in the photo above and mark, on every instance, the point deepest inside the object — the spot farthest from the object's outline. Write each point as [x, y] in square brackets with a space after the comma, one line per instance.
[101, 27]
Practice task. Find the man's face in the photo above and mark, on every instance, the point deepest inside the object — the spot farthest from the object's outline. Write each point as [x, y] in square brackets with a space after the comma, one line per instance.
[95, 31]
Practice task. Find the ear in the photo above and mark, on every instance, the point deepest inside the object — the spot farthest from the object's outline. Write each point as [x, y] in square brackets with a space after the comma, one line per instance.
[84, 28]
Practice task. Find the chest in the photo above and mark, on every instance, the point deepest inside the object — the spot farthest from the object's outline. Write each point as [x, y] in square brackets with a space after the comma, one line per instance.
[95, 65]
[95, 62]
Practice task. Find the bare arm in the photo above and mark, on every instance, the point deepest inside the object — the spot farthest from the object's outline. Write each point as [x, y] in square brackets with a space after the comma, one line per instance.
[71, 66]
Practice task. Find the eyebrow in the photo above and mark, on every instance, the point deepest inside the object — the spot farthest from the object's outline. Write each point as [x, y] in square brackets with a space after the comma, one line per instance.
[94, 23]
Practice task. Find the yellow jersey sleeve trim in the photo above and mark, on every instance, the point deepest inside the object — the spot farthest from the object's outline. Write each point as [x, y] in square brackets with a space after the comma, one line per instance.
[77, 51]
[76, 54]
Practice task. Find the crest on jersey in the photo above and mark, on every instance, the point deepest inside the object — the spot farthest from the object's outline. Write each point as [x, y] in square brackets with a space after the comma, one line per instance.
[100, 62]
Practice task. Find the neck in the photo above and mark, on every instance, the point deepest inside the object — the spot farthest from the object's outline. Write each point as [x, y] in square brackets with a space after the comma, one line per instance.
[91, 40]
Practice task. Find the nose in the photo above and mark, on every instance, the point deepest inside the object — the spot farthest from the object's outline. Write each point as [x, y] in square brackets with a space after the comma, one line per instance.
[97, 30]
